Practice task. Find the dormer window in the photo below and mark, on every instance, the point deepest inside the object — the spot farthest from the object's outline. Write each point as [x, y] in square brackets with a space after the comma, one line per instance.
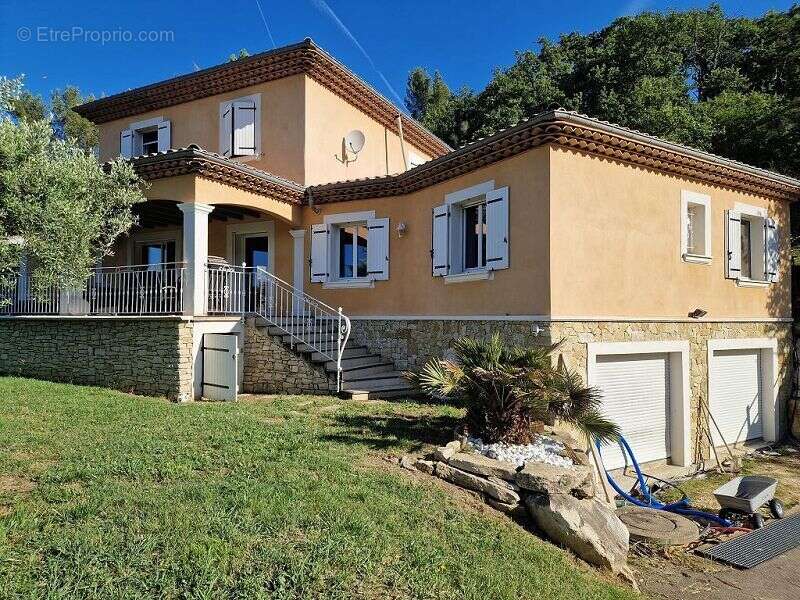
[146, 137]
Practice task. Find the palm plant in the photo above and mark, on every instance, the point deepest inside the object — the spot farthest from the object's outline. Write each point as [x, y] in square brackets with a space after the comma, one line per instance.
[506, 390]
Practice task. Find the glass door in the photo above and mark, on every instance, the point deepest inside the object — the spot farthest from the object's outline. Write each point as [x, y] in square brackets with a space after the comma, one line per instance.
[252, 251]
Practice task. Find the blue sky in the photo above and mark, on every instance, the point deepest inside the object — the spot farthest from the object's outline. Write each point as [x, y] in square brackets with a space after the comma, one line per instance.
[382, 42]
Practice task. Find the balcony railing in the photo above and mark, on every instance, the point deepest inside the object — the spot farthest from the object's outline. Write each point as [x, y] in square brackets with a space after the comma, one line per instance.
[155, 289]
[309, 323]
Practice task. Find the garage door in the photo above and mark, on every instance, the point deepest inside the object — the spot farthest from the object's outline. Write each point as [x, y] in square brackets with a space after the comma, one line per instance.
[735, 395]
[635, 391]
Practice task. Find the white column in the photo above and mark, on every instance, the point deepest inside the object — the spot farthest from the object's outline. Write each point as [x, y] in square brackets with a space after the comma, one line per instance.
[195, 255]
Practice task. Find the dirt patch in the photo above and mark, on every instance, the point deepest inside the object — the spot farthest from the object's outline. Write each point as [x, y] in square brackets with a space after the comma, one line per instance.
[11, 484]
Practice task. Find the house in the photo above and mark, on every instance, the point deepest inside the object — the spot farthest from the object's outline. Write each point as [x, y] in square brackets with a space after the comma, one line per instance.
[282, 187]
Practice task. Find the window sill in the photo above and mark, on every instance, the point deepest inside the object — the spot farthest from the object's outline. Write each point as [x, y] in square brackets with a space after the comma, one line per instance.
[697, 259]
[348, 283]
[469, 276]
[751, 283]
[246, 157]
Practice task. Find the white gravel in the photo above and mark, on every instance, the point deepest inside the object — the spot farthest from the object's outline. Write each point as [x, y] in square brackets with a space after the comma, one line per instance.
[543, 450]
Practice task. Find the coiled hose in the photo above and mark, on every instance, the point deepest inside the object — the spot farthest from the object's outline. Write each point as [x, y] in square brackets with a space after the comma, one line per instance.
[681, 507]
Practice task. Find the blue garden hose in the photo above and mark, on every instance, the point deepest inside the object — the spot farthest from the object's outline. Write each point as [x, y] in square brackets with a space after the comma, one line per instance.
[681, 507]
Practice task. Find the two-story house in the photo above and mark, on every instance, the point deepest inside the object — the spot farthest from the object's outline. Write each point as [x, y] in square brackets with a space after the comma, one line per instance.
[282, 187]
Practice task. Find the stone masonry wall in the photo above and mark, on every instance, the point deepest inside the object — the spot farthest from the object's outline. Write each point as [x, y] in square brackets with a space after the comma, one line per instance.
[272, 368]
[142, 356]
[411, 343]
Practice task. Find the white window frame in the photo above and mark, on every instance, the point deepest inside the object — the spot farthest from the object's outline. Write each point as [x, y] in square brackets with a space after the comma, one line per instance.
[251, 229]
[335, 223]
[138, 128]
[697, 199]
[256, 99]
[171, 234]
[755, 215]
[415, 160]
[456, 201]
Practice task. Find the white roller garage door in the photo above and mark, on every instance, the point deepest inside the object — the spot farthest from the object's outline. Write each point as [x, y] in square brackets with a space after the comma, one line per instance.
[635, 391]
[735, 395]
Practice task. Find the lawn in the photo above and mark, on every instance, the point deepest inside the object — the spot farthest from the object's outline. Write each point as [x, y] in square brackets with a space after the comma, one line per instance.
[103, 494]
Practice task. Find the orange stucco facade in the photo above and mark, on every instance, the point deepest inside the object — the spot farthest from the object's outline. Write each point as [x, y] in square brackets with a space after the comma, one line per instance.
[302, 127]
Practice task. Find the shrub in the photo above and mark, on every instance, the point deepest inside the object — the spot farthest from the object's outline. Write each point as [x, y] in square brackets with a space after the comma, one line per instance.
[506, 390]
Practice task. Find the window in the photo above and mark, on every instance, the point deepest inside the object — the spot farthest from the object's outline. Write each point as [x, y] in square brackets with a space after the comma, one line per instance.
[350, 250]
[470, 234]
[240, 127]
[155, 254]
[475, 237]
[752, 246]
[696, 227]
[414, 159]
[146, 137]
[149, 141]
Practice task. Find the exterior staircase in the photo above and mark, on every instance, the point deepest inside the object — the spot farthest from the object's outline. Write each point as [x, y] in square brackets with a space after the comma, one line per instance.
[366, 375]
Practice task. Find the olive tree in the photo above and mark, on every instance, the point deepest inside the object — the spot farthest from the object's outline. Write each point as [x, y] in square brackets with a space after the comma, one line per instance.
[59, 206]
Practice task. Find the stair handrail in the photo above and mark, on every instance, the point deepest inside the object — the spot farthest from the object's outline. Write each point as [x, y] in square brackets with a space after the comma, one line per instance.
[281, 304]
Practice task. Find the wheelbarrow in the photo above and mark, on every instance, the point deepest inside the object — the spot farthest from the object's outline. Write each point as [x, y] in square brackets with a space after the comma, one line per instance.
[742, 497]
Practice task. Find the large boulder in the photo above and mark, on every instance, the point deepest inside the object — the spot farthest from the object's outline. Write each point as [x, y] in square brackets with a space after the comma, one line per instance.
[479, 464]
[589, 528]
[541, 478]
[473, 482]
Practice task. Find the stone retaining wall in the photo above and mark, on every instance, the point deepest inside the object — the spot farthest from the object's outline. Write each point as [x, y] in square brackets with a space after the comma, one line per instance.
[272, 368]
[411, 343]
[143, 356]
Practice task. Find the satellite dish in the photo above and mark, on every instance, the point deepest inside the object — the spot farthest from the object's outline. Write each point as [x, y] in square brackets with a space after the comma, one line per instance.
[354, 141]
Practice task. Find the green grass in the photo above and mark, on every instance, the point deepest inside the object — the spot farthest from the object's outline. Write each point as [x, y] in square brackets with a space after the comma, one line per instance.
[136, 497]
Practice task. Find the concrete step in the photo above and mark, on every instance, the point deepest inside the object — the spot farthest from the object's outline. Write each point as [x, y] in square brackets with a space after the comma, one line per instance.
[349, 352]
[385, 381]
[378, 395]
[350, 362]
[313, 339]
[359, 373]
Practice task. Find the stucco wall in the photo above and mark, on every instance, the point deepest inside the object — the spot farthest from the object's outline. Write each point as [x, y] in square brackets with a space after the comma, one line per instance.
[615, 250]
[197, 122]
[412, 290]
[143, 356]
[302, 126]
[272, 368]
[328, 120]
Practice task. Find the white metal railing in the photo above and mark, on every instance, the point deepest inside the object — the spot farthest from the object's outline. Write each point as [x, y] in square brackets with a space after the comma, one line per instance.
[154, 289]
[17, 297]
[309, 322]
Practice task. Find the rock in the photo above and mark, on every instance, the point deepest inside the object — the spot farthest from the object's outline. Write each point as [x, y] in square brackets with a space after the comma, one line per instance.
[425, 466]
[589, 528]
[443, 453]
[549, 479]
[514, 509]
[483, 465]
[407, 462]
[503, 483]
[472, 482]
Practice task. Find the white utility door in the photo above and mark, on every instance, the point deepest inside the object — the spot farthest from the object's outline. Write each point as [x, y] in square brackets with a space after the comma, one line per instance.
[220, 366]
[636, 393]
[735, 395]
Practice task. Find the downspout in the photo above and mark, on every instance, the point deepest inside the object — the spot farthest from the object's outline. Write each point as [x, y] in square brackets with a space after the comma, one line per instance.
[402, 140]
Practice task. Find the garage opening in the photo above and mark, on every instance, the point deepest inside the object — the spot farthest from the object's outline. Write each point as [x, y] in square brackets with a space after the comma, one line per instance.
[636, 395]
[736, 395]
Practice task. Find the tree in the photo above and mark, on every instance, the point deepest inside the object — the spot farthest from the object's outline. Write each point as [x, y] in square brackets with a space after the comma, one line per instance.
[727, 85]
[67, 124]
[507, 389]
[243, 53]
[58, 205]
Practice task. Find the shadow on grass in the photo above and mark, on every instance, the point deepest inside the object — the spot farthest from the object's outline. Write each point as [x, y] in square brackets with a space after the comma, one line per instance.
[382, 432]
